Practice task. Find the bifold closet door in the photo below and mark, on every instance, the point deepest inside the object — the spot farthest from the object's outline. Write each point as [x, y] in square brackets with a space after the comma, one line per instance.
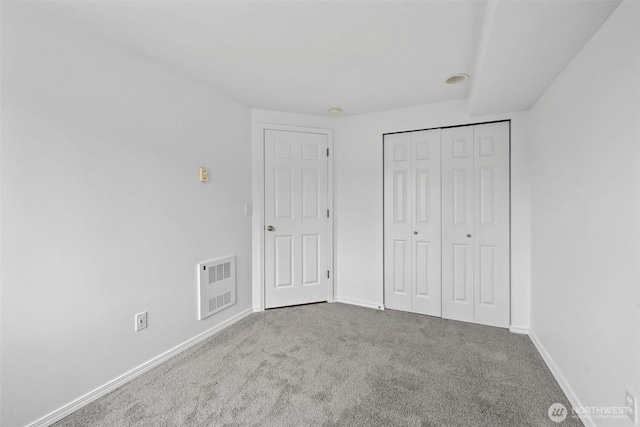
[491, 243]
[426, 279]
[412, 222]
[397, 221]
[475, 224]
[457, 223]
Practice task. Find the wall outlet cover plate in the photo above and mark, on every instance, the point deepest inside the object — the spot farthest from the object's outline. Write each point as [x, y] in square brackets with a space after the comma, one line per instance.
[141, 321]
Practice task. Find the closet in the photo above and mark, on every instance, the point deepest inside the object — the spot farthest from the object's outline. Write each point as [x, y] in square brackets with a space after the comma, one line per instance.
[446, 222]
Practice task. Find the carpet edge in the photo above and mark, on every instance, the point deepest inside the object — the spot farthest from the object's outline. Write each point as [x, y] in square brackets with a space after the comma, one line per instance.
[360, 303]
[82, 401]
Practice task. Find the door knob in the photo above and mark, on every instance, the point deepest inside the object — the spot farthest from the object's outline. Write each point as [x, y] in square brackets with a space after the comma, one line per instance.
[468, 235]
[270, 228]
[415, 232]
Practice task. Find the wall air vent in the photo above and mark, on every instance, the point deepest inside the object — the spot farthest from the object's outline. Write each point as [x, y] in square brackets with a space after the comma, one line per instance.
[216, 286]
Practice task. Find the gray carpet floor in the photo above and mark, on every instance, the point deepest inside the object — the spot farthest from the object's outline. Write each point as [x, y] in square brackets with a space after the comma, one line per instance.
[340, 365]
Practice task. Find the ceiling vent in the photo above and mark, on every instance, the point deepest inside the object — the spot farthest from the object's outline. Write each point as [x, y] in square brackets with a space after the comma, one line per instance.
[456, 78]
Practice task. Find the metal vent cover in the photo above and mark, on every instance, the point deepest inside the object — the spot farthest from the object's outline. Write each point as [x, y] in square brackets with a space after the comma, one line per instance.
[219, 272]
[216, 285]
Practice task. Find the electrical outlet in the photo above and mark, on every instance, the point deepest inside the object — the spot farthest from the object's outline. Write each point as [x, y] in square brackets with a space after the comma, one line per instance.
[248, 209]
[141, 321]
[631, 402]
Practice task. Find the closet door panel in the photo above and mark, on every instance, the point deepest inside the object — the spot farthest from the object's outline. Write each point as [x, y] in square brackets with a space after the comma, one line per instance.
[457, 223]
[491, 224]
[446, 207]
[426, 261]
[398, 190]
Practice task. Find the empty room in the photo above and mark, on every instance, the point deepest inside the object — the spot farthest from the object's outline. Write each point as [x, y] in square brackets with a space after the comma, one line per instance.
[320, 213]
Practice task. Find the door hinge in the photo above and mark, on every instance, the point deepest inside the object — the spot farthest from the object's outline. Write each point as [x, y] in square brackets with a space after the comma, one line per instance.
[327, 152]
[328, 277]
[327, 213]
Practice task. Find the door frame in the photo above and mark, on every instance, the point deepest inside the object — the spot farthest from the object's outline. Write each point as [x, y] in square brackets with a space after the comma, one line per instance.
[508, 120]
[257, 220]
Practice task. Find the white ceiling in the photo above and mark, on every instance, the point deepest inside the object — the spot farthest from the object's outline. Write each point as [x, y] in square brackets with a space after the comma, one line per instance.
[361, 56]
[526, 45]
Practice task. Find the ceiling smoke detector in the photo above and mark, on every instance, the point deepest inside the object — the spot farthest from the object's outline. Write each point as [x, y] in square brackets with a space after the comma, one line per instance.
[335, 112]
[456, 78]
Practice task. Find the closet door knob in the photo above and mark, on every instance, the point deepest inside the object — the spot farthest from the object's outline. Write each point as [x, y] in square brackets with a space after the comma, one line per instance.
[270, 228]
[468, 235]
[415, 232]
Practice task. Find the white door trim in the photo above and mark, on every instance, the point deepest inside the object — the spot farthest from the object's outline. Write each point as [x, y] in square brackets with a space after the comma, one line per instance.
[257, 222]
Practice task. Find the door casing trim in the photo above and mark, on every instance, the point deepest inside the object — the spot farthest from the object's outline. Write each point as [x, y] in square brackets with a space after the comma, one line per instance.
[257, 199]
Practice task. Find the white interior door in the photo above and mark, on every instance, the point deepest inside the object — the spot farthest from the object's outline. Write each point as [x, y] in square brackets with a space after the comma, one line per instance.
[425, 189]
[397, 221]
[296, 218]
[491, 224]
[457, 223]
[475, 224]
[412, 222]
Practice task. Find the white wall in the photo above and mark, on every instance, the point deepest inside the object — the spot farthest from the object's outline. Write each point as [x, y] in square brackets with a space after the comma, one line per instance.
[585, 218]
[258, 118]
[102, 212]
[359, 204]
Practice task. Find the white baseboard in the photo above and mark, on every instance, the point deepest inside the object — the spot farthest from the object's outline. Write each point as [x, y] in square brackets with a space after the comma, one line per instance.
[518, 330]
[360, 303]
[562, 381]
[69, 408]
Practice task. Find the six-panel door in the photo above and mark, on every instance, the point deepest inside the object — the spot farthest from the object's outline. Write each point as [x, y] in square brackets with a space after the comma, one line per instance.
[425, 199]
[397, 221]
[475, 224]
[491, 246]
[412, 221]
[296, 235]
[457, 223]
[466, 271]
